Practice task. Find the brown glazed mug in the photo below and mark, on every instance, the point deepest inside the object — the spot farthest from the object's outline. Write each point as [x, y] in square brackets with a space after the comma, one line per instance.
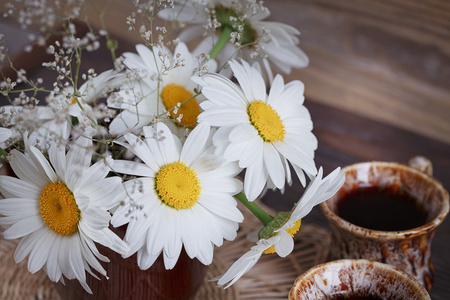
[407, 249]
[356, 279]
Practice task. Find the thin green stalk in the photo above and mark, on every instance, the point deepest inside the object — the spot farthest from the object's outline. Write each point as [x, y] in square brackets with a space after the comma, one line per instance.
[222, 42]
[264, 217]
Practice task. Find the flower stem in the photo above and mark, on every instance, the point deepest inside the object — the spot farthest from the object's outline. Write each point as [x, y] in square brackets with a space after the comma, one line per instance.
[222, 42]
[264, 217]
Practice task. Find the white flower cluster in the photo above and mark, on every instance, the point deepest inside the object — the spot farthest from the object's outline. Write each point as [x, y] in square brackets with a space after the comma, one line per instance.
[157, 142]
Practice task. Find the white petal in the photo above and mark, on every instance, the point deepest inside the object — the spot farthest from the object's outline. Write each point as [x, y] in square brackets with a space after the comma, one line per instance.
[23, 206]
[239, 268]
[275, 91]
[75, 258]
[130, 121]
[78, 159]
[145, 259]
[195, 143]
[207, 163]
[90, 259]
[173, 245]
[40, 252]
[24, 227]
[189, 234]
[83, 200]
[42, 164]
[5, 133]
[218, 171]
[169, 262]
[224, 116]
[89, 247]
[221, 90]
[296, 157]
[132, 168]
[106, 193]
[285, 245]
[25, 246]
[252, 153]
[166, 143]
[143, 151]
[274, 165]
[132, 60]
[206, 253]
[182, 75]
[58, 159]
[156, 237]
[229, 185]
[12, 187]
[26, 169]
[97, 172]
[151, 61]
[52, 267]
[93, 220]
[221, 137]
[115, 243]
[250, 81]
[222, 209]
[80, 152]
[255, 180]
[242, 132]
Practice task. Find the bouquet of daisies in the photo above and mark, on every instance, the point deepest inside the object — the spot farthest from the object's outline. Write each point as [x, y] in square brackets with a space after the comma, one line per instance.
[159, 141]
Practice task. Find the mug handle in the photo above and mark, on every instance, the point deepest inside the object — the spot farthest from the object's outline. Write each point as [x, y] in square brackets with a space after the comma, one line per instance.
[422, 164]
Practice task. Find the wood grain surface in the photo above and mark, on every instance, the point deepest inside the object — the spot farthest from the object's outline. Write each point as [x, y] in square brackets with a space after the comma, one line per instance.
[384, 60]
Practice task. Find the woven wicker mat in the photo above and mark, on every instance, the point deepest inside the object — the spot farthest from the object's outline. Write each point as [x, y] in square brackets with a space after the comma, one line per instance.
[271, 278]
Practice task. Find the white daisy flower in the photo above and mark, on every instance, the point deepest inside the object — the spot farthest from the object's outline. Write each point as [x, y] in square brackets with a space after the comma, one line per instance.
[98, 86]
[57, 115]
[53, 122]
[261, 41]
[263, 132]
[279, 239]
[44, 125]
[183, 197]
[163, 84]
[58, 208]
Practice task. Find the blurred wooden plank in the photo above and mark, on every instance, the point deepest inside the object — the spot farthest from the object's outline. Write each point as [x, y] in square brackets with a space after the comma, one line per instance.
[386, 60]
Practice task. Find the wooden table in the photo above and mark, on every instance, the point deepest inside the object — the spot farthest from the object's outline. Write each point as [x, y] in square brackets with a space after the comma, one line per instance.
[346, 138]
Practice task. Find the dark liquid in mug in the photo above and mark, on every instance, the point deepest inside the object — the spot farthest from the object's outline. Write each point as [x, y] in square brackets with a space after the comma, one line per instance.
[345, 297]
[382, 209]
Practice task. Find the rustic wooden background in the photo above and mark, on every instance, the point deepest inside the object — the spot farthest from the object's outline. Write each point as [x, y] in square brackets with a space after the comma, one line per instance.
[385, 60]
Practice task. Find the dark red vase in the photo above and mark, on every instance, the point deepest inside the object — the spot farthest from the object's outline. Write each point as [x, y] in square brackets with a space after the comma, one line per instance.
[128, 282]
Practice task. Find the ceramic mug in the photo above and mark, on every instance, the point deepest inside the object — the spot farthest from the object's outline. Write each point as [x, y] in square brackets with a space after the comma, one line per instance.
[407, 248]
[356, 279]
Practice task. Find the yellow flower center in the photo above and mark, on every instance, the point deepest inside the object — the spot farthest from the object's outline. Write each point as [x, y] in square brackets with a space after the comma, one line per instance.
[266, 121]
[292, 231]
[174, 94]
[59, 209]
[177, 185]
